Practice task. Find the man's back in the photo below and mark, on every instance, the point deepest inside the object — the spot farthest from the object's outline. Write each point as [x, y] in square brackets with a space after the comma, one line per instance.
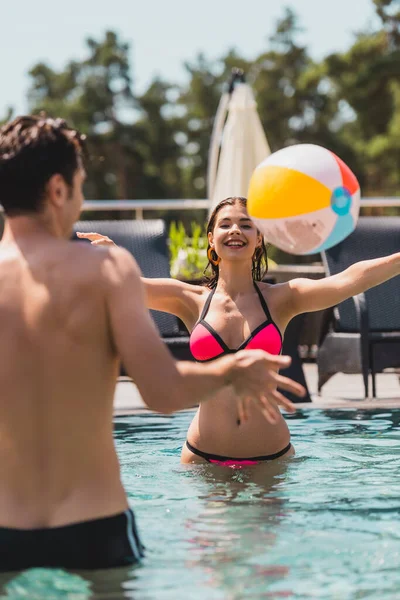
[58, 370]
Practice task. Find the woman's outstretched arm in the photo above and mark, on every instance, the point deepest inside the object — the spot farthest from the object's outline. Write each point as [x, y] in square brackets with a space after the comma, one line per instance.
[165, 294]
[307, 295]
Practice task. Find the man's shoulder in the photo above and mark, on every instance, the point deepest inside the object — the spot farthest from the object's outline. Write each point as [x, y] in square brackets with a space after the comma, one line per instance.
[105, 263]
[100, 254]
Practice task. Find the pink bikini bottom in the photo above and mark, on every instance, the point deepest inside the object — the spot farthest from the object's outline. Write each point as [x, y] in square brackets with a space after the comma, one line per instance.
[235, 463]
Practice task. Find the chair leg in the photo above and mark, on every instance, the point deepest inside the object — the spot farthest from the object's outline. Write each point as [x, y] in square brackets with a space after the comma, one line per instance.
[365, 379]
[373, 374]
[365, 364]
[373, 386]
[295, 372]
[322, 379]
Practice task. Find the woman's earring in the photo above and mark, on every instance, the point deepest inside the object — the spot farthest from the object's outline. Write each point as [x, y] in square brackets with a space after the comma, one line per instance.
[211, 254]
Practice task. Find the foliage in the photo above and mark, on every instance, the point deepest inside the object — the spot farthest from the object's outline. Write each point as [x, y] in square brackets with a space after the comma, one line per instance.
[365, 80]
[389, 12]
[187, 252]
[177, 240]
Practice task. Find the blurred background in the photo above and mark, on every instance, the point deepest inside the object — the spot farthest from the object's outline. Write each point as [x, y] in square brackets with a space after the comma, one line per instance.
[143, 82]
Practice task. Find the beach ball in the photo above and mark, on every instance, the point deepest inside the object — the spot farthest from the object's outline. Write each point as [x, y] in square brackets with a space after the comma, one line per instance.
[304, 199]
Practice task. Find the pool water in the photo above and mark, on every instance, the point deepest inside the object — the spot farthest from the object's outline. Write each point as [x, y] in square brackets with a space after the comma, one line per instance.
[324, 524]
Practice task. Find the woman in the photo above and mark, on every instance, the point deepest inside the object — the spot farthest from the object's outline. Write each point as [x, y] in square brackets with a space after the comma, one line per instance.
[235, 311]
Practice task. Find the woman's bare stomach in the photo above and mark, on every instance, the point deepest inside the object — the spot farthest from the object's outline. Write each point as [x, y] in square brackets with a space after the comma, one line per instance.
[215, 429]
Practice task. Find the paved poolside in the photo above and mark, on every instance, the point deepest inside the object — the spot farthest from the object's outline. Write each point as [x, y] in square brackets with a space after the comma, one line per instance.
[346, 391]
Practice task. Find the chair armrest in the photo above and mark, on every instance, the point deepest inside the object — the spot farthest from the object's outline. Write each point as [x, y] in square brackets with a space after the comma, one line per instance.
[361, 308]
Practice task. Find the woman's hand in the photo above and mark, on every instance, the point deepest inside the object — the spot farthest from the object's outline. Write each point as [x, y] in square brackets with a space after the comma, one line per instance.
[96, 239]
[255, 378]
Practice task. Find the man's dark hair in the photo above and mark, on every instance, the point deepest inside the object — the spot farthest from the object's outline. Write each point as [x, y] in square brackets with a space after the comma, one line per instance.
[32, 150]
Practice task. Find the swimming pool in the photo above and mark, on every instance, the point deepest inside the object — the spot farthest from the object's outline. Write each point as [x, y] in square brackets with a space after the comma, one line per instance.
[323, 525]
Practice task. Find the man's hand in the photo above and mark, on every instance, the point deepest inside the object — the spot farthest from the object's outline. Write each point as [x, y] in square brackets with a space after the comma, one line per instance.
[255, 378]
[96, 238]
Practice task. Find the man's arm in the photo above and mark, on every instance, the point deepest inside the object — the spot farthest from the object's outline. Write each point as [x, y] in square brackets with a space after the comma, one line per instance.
[167, 385]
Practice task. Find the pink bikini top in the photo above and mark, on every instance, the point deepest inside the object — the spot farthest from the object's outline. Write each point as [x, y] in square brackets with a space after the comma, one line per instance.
[206, 344]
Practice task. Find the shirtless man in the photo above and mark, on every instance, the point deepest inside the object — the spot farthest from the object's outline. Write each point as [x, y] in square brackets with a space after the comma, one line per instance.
[69, 312]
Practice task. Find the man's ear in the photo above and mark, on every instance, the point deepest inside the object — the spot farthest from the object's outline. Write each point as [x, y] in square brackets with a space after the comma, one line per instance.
[57, 190]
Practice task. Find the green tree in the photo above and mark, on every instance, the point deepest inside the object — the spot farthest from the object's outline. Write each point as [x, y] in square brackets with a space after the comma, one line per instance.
[92, 95]
[132, 140]
[293, 103]
[365, 80]
[389, 13]
[156, 129]
[198, 102]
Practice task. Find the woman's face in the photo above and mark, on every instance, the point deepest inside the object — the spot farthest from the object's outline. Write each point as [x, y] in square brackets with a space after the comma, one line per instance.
[235, 236]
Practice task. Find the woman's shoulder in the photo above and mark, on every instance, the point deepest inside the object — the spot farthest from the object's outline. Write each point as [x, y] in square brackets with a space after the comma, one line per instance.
[273, 289]
[177, 285]
[278, 297]
[197, 290]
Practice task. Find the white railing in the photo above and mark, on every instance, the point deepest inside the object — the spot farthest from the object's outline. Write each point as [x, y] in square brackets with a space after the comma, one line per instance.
[192, 204]
[141, 205]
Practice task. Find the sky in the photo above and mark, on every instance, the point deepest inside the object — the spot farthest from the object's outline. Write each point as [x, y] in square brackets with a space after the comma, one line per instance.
[163, 34]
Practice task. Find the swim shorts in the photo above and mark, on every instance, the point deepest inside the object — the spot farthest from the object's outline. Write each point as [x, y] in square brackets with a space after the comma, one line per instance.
[95, 544]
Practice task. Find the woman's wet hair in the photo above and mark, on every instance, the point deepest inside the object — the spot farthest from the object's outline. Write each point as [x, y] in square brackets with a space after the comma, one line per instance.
[259, 265]
[32, 150]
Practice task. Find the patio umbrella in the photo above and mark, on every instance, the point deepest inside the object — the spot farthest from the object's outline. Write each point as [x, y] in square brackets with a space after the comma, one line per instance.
[238, 142]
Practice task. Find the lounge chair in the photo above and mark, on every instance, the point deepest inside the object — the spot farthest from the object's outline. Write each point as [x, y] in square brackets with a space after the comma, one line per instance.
[147, 241]
[362, 334]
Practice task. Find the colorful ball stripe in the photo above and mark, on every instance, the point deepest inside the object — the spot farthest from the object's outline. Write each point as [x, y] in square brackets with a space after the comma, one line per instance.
[304, 199]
